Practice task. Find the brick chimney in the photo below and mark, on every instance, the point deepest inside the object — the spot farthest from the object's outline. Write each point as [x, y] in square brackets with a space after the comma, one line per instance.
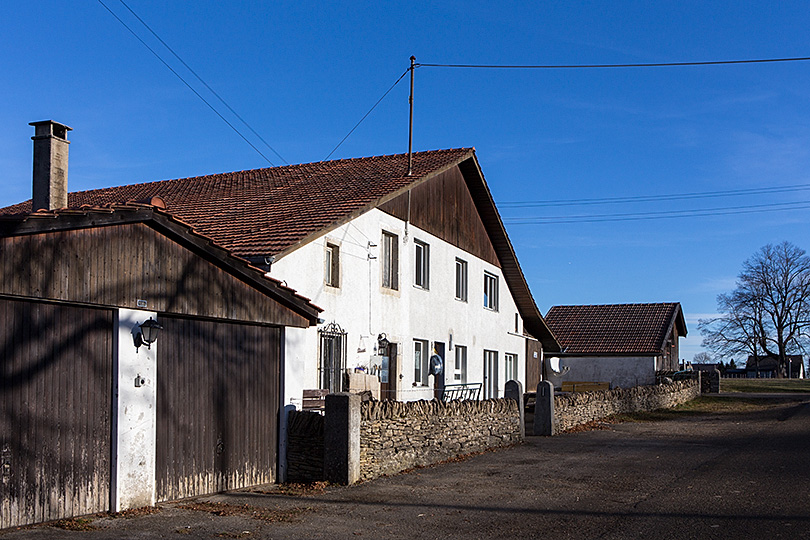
[50, 165]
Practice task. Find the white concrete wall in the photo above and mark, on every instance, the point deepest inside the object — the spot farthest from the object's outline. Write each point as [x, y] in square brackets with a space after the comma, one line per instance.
[363, 308]
[134, 415]
[620, 371]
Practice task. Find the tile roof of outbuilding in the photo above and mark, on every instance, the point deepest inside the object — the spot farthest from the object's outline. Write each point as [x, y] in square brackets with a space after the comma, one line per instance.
[615, 328]
[262, 212]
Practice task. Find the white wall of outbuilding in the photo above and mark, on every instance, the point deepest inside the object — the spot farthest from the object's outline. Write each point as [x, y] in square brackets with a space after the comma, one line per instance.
[619, 371]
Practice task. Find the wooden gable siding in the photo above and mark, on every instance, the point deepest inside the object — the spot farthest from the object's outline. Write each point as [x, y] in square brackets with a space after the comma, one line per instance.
[444, 207]
[118, 265]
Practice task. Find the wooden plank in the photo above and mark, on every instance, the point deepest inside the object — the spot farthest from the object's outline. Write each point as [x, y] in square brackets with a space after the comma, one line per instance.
[229, 375]
[54, 410]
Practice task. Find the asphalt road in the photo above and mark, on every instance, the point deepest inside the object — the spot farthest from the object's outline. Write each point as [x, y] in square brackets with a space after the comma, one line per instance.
[708, 476]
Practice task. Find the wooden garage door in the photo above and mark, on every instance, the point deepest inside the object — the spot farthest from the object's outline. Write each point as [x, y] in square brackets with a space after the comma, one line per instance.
[55, 410]
[217, 408]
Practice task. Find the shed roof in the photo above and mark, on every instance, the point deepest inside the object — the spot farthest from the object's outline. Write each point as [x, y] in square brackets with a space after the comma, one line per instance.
[615, 328]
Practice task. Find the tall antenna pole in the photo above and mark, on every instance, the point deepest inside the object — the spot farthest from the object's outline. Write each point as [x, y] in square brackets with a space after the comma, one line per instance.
[410, 123]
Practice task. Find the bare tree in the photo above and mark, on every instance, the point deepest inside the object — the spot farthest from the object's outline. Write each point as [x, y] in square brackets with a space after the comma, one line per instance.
[702, 358]
[769, 311]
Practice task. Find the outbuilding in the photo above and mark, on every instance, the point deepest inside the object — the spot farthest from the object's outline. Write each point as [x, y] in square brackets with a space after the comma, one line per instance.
[94, 417]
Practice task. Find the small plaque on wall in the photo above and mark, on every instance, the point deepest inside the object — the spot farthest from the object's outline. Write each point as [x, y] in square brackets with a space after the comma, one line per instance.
[141, 303]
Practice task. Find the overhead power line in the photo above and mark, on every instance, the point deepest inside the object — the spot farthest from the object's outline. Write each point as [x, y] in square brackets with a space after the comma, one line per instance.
[654, 198]
[367, 113]
[234, 128]
[659, 214]
[220, 98]
[597, 66]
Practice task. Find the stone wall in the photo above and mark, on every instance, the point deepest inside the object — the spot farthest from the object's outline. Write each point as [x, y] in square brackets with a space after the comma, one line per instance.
[395, 436]
[575, 409]
[304, 446]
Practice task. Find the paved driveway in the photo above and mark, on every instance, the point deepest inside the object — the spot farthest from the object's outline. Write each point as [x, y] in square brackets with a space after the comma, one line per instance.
[708, 476]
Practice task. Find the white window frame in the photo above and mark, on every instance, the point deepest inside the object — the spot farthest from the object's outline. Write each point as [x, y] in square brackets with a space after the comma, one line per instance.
[491, 374]
[390, 261]
[490, 291]
[510, 361]
[421, 273]
[331, 271]
[460, 365]
[420, 361]
[461, 279]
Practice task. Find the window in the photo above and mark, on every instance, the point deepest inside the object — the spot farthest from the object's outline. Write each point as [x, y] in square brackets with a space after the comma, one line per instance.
[511, 366]
[461, 280]
[490, 291]
[490, 374]
[332, 363]
[460, 367]
[420, 361]
[331, 269]
[517, 324]
[422, 270]
[390, 262]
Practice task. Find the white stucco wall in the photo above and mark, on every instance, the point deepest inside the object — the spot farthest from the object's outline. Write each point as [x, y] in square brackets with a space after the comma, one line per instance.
[363, 308]
[134, 415]
[620, 371]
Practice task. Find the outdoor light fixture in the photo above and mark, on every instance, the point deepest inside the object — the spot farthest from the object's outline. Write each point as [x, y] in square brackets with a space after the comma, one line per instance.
[382, 344]
[148, 333]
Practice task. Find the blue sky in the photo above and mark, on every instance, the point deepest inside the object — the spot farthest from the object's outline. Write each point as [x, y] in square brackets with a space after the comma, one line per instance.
[303, 73]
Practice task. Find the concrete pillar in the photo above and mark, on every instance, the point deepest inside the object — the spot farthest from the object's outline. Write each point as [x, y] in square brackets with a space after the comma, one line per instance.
[514, 390]
[544, 422]
[341, 438]
[134, 415]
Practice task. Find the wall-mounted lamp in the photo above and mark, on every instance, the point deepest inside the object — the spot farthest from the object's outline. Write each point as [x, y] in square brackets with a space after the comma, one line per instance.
[382, 344]
[148, 334]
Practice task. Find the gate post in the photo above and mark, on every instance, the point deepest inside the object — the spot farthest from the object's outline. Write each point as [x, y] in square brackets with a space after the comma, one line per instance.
[514, 390]
[341, 438]
[544, 423]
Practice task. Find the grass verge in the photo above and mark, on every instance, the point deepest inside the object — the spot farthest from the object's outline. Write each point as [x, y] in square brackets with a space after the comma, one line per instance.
[765, 385]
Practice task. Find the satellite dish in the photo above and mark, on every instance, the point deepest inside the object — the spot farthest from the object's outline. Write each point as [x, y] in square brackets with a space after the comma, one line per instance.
[436, 365]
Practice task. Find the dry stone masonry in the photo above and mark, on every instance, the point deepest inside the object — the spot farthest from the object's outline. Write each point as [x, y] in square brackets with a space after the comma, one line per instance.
[575, 409]
[395, 436]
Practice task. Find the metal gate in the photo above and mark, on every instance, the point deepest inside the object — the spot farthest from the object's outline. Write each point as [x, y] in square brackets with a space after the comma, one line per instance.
[332, 363]
[217, 406]
[55, 410]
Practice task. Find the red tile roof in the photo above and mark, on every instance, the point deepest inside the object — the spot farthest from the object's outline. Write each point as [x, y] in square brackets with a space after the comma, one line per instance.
[615, 328]
[262, 212]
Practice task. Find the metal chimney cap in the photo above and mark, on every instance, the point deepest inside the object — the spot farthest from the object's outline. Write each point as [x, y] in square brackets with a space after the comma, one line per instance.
[49, 128]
